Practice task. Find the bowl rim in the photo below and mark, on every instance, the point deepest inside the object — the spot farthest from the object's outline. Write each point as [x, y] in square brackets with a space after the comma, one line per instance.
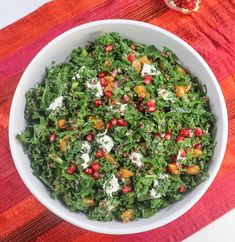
[93, 227]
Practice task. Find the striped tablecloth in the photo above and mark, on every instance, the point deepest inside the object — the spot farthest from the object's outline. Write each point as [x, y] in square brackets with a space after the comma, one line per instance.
[210, 32]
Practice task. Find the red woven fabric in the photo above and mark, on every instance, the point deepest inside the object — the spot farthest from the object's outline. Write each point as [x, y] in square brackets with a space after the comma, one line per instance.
[210, 32]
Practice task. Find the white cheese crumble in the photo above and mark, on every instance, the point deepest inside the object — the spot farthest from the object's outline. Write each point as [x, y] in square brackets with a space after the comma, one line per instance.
[96, 85]
[166, 95]
[122, 109]
[163, 176]
[155, 183]
[111, 186]
[106, 143]
[154, 194]
[78, 75]
[149, 70]
[136, 159]
[56, 103]
[86, 148]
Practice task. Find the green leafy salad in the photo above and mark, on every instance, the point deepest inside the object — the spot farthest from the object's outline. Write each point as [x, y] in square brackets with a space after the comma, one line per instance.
[119, 130]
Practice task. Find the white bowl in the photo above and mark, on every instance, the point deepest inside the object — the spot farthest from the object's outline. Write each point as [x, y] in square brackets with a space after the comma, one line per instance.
[58, 50]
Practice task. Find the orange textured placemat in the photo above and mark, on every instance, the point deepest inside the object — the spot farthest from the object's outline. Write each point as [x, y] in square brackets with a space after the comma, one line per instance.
[210, 32]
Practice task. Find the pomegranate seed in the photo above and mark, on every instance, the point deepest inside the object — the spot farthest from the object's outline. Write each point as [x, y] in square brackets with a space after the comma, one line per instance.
[109, 125]
[167, 136]
[179, 139]
[114, 121]
[173, 158]
[198, 146]
[97, 103]
[96, 175]
[108, 48]
[140, 106]
[52, 138]
[126, 99]
[183, 154]
[148, 79]
[90, 137]
[87, 171]
[71, 169]
[152, 109]
[190, 133]
[183, 132]
[131, 57]
[182, 189]
[126, 189]
[95, 166]
[99, 154]
[101, 74]
[133, 47]
[157, 136]
[122, 122]
[104, 82]
[150, 103]
[198, 132]
[108, 94]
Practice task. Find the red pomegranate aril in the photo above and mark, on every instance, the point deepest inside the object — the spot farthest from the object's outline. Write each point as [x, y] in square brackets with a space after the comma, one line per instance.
[131, 57]
[183, 154]
[173, 158]
[167, 136]
[198, 132]
[150, 103]
[95, 166]
[96, 175]
[99, 154]
[109, 125]
[98, 103]
[101, 74]
[152, 109]
[126, 99]
[182, 189]
[140, 106]
[108, 48]
[104, 82]
[179, 139]
[126, 189]
[87, 171]
[190, 133]
[198, 146]
[133, 47]
[108, 94]
[183, 132]
[90, 137]
[122, 122]
[157, 136]
[114, 121]
[52, 138]
[71, 169]
[148, 79]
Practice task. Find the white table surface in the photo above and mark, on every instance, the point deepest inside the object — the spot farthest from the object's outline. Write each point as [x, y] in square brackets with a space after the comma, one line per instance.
[221, 230]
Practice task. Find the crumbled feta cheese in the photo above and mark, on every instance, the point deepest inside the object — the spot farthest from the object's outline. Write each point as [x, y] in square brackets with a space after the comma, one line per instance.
[111, 186]
[95, 84]
[56, 103]
[122, 109]
[136, 159]
[166, 95]
[86, 147]
[86, 159]
[106, 143]
[163, 176]
[149, 70]
[153, 193]
[78, 75]
[129, 132]
[155, 183]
